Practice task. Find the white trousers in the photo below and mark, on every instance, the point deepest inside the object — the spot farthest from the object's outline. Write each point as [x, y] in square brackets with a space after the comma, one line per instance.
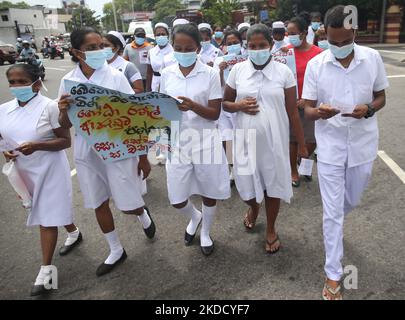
[341, 191]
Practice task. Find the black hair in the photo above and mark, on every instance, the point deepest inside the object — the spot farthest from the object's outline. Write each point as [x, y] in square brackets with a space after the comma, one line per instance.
[233, 32]
[335, 17]
[302, 21]
[77, 38]
[278, 31]
[115, 41]
[207, 31]
[316, 14]
[259, 29]
[30, 70]
[189, 29]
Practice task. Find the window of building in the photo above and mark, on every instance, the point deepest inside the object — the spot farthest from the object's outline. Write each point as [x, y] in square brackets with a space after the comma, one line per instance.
[4, 17]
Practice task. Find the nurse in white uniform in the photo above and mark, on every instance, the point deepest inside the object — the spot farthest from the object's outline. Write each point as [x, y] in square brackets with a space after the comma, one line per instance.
[114, 45]
[208, 52]
[262, 94]
[31, 120]
[198, 86]
[100, 181]
[159, 57]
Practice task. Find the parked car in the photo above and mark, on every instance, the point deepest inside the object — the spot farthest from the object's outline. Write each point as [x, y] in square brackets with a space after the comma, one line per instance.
[7, 53]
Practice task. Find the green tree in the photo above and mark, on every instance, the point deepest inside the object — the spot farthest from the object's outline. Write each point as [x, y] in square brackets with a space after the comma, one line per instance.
[83, 16]
[220, 12]
[164, 8]
[19, 5]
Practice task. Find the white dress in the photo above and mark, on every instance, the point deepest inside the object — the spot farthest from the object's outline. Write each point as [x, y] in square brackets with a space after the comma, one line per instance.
[187, 172]
[99, 180]
[267, 166]
[160, 58]
[45, 173]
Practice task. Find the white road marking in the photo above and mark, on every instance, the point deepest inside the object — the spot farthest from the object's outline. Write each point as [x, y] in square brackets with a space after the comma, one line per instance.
[396, 76]
[57, 69]
[392, 165]
[396, 52]
[73, 173]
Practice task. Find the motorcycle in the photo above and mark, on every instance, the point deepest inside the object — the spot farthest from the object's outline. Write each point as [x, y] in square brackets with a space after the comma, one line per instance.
[34, 61]
[56, 51]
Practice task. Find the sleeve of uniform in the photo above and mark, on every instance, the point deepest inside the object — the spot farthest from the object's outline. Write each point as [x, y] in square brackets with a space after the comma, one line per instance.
[125, 54]
[289, 79]
[124, 85]
[310, 91]
[61, 89]
[381, 81]
[132, 72]
[231, 82]
[53, 114]
[215, 86]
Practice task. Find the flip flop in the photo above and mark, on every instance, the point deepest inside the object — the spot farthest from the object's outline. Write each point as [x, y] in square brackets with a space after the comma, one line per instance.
[329, 293]
[247, 223]
[296, 184]
[270, 244]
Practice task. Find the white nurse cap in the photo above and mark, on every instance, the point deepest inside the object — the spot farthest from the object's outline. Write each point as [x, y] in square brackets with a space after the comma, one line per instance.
[119, 36]
[243, 25]
[278, 25]
[161, 25]
[204, 26]
[180, 21]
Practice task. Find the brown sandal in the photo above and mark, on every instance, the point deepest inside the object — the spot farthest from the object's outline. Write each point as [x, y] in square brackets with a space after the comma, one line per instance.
[330, 293]
[271, 244]
[247, 223]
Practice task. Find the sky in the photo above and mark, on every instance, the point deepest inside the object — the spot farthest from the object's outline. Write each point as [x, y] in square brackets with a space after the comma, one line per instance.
[96, 5]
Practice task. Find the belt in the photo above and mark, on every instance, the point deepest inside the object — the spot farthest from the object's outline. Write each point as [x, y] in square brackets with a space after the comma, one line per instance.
[156, 74]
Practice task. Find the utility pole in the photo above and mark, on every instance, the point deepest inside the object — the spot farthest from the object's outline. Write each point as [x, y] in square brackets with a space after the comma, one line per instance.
[382, 23]
[115, 16]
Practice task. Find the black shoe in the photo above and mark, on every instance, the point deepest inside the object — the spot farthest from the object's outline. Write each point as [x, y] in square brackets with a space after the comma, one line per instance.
[207, 251]
[188, 238]
[104, 268]
[64, 250]
[39, 290]
[308, 178]
[151, 230]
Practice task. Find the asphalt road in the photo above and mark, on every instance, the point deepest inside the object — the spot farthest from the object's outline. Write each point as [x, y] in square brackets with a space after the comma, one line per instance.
[239, 268]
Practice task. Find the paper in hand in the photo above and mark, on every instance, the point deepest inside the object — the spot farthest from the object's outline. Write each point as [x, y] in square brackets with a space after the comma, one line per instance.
[306, 167]
[343, 107]
[7, 145]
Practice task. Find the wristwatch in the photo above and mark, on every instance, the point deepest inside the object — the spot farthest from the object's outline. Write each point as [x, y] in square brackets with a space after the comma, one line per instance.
[371, 111]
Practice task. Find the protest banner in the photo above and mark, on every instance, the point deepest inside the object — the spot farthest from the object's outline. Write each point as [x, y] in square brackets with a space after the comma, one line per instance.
[231, 60]
[287, 58]
[118, 125]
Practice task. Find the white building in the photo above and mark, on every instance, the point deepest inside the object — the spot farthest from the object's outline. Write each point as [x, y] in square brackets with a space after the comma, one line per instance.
[36, 22]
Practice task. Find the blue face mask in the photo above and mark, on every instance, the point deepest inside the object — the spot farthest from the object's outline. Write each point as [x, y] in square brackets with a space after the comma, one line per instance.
[315, 26]
[341, 52]
[95, 59]
[109, 54]
[234, 49]
[23, 94]
[259, 57]
[205, 44]
[219, 34]
[185, 59]
[323, 44]
[295, 40]
[162, 41]
[139, 41]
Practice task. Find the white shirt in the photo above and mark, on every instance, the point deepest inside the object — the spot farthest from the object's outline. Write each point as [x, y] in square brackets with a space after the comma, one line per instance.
[201, 85]
[122, 65]
[160, 58]
[49, 119]
[342, 140]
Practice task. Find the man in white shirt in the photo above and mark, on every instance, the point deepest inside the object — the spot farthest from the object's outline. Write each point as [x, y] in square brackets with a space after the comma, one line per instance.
[344, 87]
[281, 42]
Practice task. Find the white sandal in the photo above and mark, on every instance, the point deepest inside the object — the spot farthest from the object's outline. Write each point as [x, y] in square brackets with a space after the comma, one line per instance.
[330, 293]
